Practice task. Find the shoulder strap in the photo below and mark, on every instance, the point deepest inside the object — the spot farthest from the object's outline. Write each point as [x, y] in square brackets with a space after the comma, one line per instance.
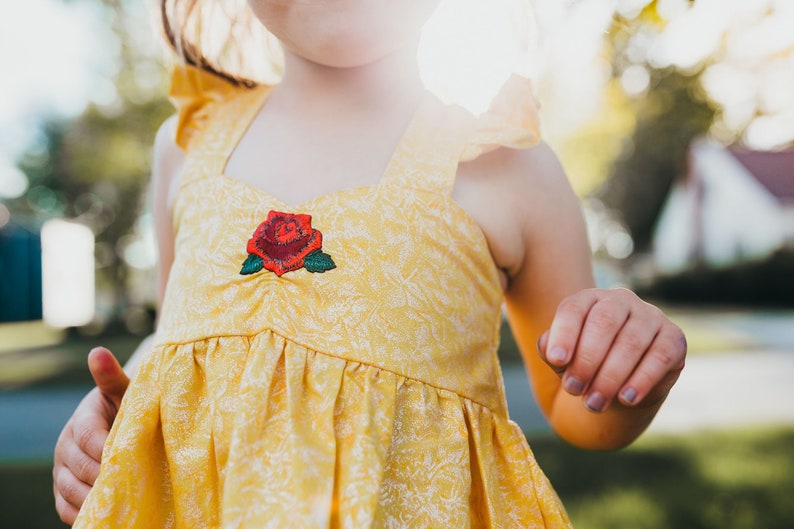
[222, 131]
[428, 154]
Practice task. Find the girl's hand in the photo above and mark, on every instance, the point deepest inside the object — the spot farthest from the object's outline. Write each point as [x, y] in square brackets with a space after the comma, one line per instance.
[609, 344]
[78, 451]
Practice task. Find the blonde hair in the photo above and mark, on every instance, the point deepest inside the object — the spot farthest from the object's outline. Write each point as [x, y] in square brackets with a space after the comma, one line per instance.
[212, 34]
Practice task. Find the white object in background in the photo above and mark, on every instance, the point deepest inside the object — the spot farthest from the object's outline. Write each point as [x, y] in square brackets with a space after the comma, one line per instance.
[741, 219]
[722, 214]
[674, 238]
[67, 269]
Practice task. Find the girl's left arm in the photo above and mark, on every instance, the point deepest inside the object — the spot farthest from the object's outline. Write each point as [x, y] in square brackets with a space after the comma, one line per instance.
[605, 359]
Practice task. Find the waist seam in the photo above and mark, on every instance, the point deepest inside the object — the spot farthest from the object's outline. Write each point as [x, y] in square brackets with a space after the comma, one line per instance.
[248, 336]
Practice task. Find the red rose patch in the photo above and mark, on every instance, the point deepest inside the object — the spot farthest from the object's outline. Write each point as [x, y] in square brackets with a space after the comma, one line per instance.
[285, 242]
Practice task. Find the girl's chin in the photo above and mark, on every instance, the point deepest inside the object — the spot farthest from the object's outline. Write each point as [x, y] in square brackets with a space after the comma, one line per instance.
[354, 56]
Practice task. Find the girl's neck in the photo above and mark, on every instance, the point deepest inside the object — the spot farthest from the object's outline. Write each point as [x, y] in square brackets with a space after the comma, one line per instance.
[391, 83]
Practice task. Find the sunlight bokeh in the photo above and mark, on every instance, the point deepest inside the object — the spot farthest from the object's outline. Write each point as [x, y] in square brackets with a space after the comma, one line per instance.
[747, 49]
[469, 48]
[53, 55]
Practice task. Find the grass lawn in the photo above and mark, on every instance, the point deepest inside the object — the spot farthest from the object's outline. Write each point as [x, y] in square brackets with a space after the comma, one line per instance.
[715, 480]
[60, 363]
[720, 480]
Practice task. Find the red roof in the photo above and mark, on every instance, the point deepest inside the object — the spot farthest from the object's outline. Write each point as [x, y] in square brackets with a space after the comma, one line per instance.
[773, 169]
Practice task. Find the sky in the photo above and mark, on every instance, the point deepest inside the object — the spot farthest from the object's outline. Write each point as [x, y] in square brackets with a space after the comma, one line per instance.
[56, 56]
[52, 55]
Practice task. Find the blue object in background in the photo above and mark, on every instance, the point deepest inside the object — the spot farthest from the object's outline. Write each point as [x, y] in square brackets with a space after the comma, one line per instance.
[20, 274]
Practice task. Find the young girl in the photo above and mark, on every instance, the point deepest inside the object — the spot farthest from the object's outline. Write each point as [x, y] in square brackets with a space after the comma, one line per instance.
[337, 251]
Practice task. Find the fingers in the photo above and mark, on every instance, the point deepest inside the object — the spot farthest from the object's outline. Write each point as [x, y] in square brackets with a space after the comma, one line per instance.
[563, 336]
[82, 461]
[89, 428]
[658, 370]
[542, 345]
[630, 345]
[78, 453]
[70, 493]
[108, 374]
[70, 490]
[604, 322]
[609, 344]
[66, 511]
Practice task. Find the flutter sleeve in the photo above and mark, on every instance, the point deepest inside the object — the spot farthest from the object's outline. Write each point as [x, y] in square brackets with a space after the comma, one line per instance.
[511, 120]
[194, 92]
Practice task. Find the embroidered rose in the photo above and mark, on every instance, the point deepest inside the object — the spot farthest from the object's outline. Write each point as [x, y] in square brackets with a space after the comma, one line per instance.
[285, 242]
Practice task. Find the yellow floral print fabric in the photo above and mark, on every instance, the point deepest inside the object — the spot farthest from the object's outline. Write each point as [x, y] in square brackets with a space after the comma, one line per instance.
[367, 396]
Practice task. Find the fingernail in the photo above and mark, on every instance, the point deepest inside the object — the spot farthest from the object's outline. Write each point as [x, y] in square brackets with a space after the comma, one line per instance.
[573, 385]
[628, 395]
[557, 355]
[595, 402]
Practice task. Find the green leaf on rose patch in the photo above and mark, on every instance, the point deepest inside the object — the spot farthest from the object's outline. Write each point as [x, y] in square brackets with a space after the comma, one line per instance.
[318, 262]
[252, 265]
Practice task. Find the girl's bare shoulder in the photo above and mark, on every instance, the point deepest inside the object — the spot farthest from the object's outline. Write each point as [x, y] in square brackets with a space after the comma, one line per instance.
[166, 164]
[517, 197]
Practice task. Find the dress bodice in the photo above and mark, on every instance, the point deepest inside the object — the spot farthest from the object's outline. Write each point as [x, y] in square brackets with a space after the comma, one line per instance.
[414, 289]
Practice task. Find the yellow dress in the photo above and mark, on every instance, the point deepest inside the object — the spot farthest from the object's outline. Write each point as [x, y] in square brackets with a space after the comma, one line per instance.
[351, 384]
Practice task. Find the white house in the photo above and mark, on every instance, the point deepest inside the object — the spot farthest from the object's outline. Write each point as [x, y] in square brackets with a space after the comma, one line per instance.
[733, 205]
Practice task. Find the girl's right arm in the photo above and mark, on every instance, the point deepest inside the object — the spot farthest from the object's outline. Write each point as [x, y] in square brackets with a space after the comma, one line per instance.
[78, 451]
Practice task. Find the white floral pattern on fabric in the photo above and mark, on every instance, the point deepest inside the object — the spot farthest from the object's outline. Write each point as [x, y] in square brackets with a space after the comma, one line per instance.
[368, 396]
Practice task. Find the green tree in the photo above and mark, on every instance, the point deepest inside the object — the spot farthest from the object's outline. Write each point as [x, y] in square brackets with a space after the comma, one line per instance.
[669, 115]
[95, 168]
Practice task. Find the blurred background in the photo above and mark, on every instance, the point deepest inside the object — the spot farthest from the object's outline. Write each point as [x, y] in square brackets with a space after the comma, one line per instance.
[673, 118]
